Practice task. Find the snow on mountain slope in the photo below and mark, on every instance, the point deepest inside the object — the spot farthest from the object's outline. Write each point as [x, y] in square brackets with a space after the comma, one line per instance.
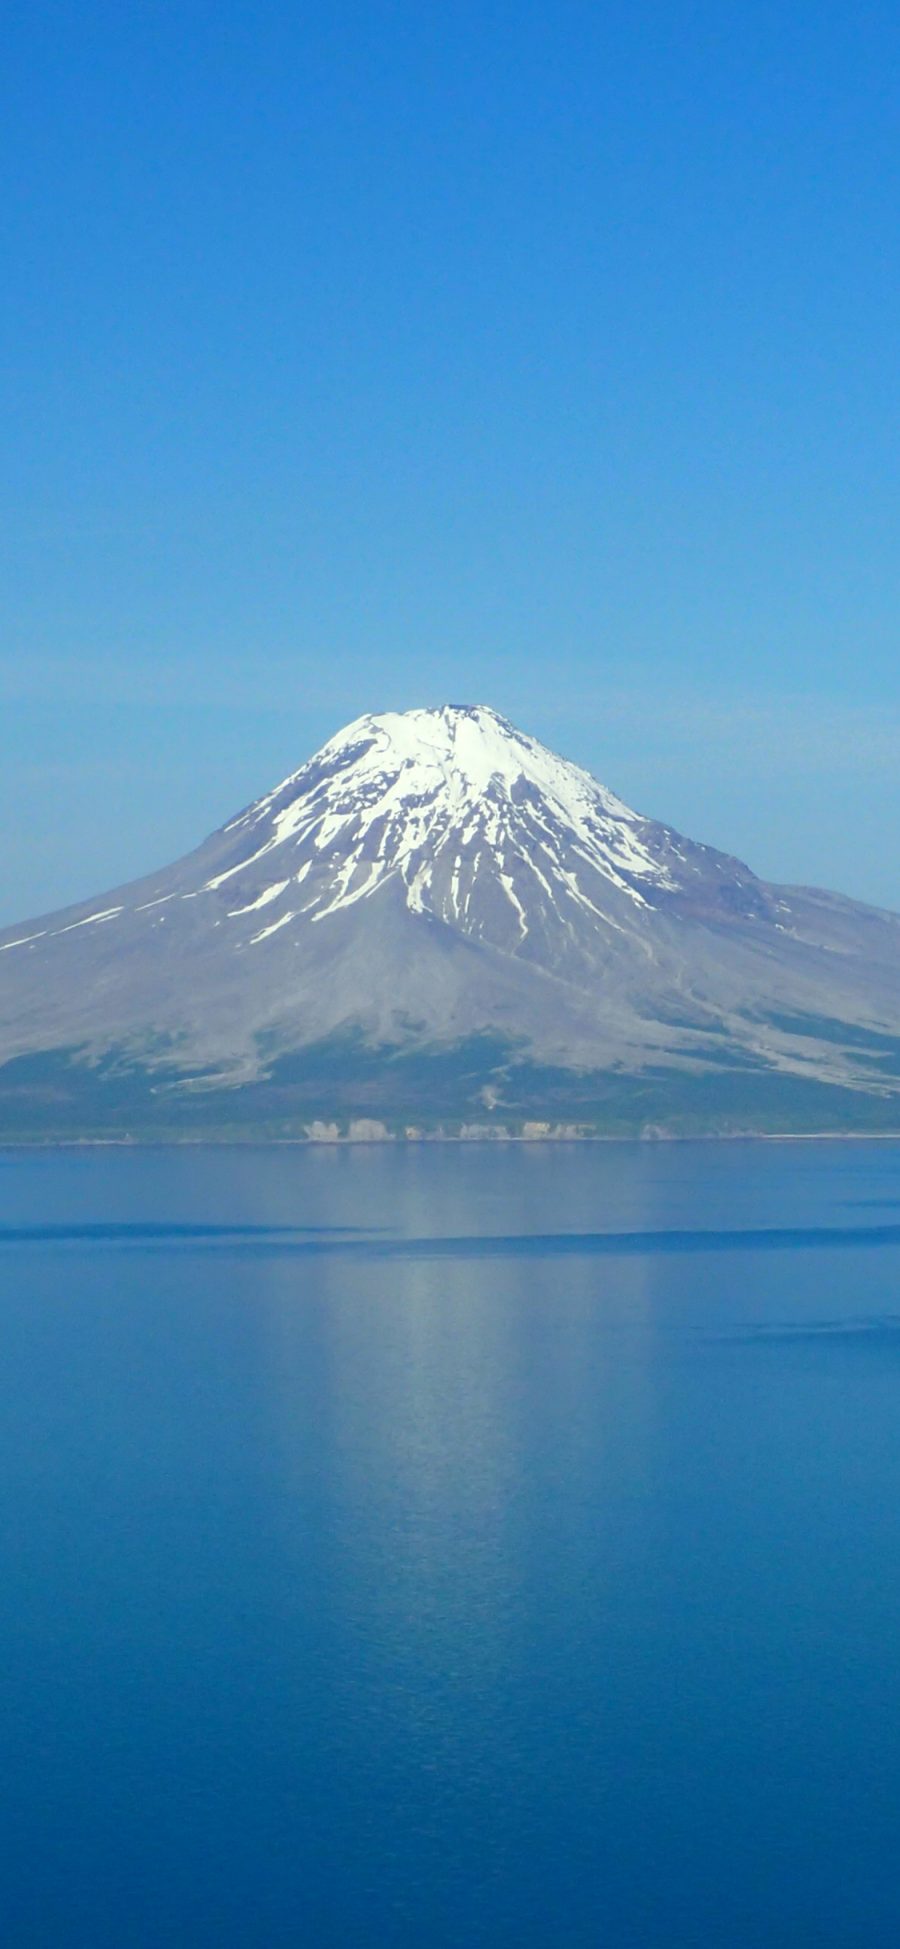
[477, 824]
[438, 873]
[438, 798]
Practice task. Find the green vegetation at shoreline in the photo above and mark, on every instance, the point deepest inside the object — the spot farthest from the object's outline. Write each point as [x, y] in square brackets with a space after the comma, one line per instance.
[481, 1088]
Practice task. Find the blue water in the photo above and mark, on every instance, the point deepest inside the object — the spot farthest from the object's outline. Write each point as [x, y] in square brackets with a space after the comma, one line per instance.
[450, 1546]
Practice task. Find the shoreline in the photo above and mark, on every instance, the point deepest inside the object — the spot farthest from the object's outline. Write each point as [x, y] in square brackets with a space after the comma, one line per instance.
[483, 1141]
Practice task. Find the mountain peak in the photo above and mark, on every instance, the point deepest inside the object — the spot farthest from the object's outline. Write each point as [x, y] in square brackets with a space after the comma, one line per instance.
[433, 875]
[467, 749]
[480, 825]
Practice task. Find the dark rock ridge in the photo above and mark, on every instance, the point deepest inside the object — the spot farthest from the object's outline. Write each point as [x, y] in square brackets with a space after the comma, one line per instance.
[435, 880]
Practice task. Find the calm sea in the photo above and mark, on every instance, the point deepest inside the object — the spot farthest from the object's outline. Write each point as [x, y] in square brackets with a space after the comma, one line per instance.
[409, 1549]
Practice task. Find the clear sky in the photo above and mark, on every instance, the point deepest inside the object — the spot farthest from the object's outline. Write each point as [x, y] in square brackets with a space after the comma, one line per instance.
[358, 356]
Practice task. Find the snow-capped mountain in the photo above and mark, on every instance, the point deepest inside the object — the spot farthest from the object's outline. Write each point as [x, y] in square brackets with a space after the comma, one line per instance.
[479, 825]
[437, 875]
[452, 802]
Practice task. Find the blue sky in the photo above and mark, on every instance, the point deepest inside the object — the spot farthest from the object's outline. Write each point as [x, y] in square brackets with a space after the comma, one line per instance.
[372, 355]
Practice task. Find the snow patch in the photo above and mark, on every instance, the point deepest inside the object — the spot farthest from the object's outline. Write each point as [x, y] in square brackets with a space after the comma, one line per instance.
[264, 933]
[91, 920]
[22, 941]
[268, 893]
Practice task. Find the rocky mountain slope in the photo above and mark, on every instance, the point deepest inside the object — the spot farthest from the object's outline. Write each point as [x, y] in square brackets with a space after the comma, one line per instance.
[432, 882]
